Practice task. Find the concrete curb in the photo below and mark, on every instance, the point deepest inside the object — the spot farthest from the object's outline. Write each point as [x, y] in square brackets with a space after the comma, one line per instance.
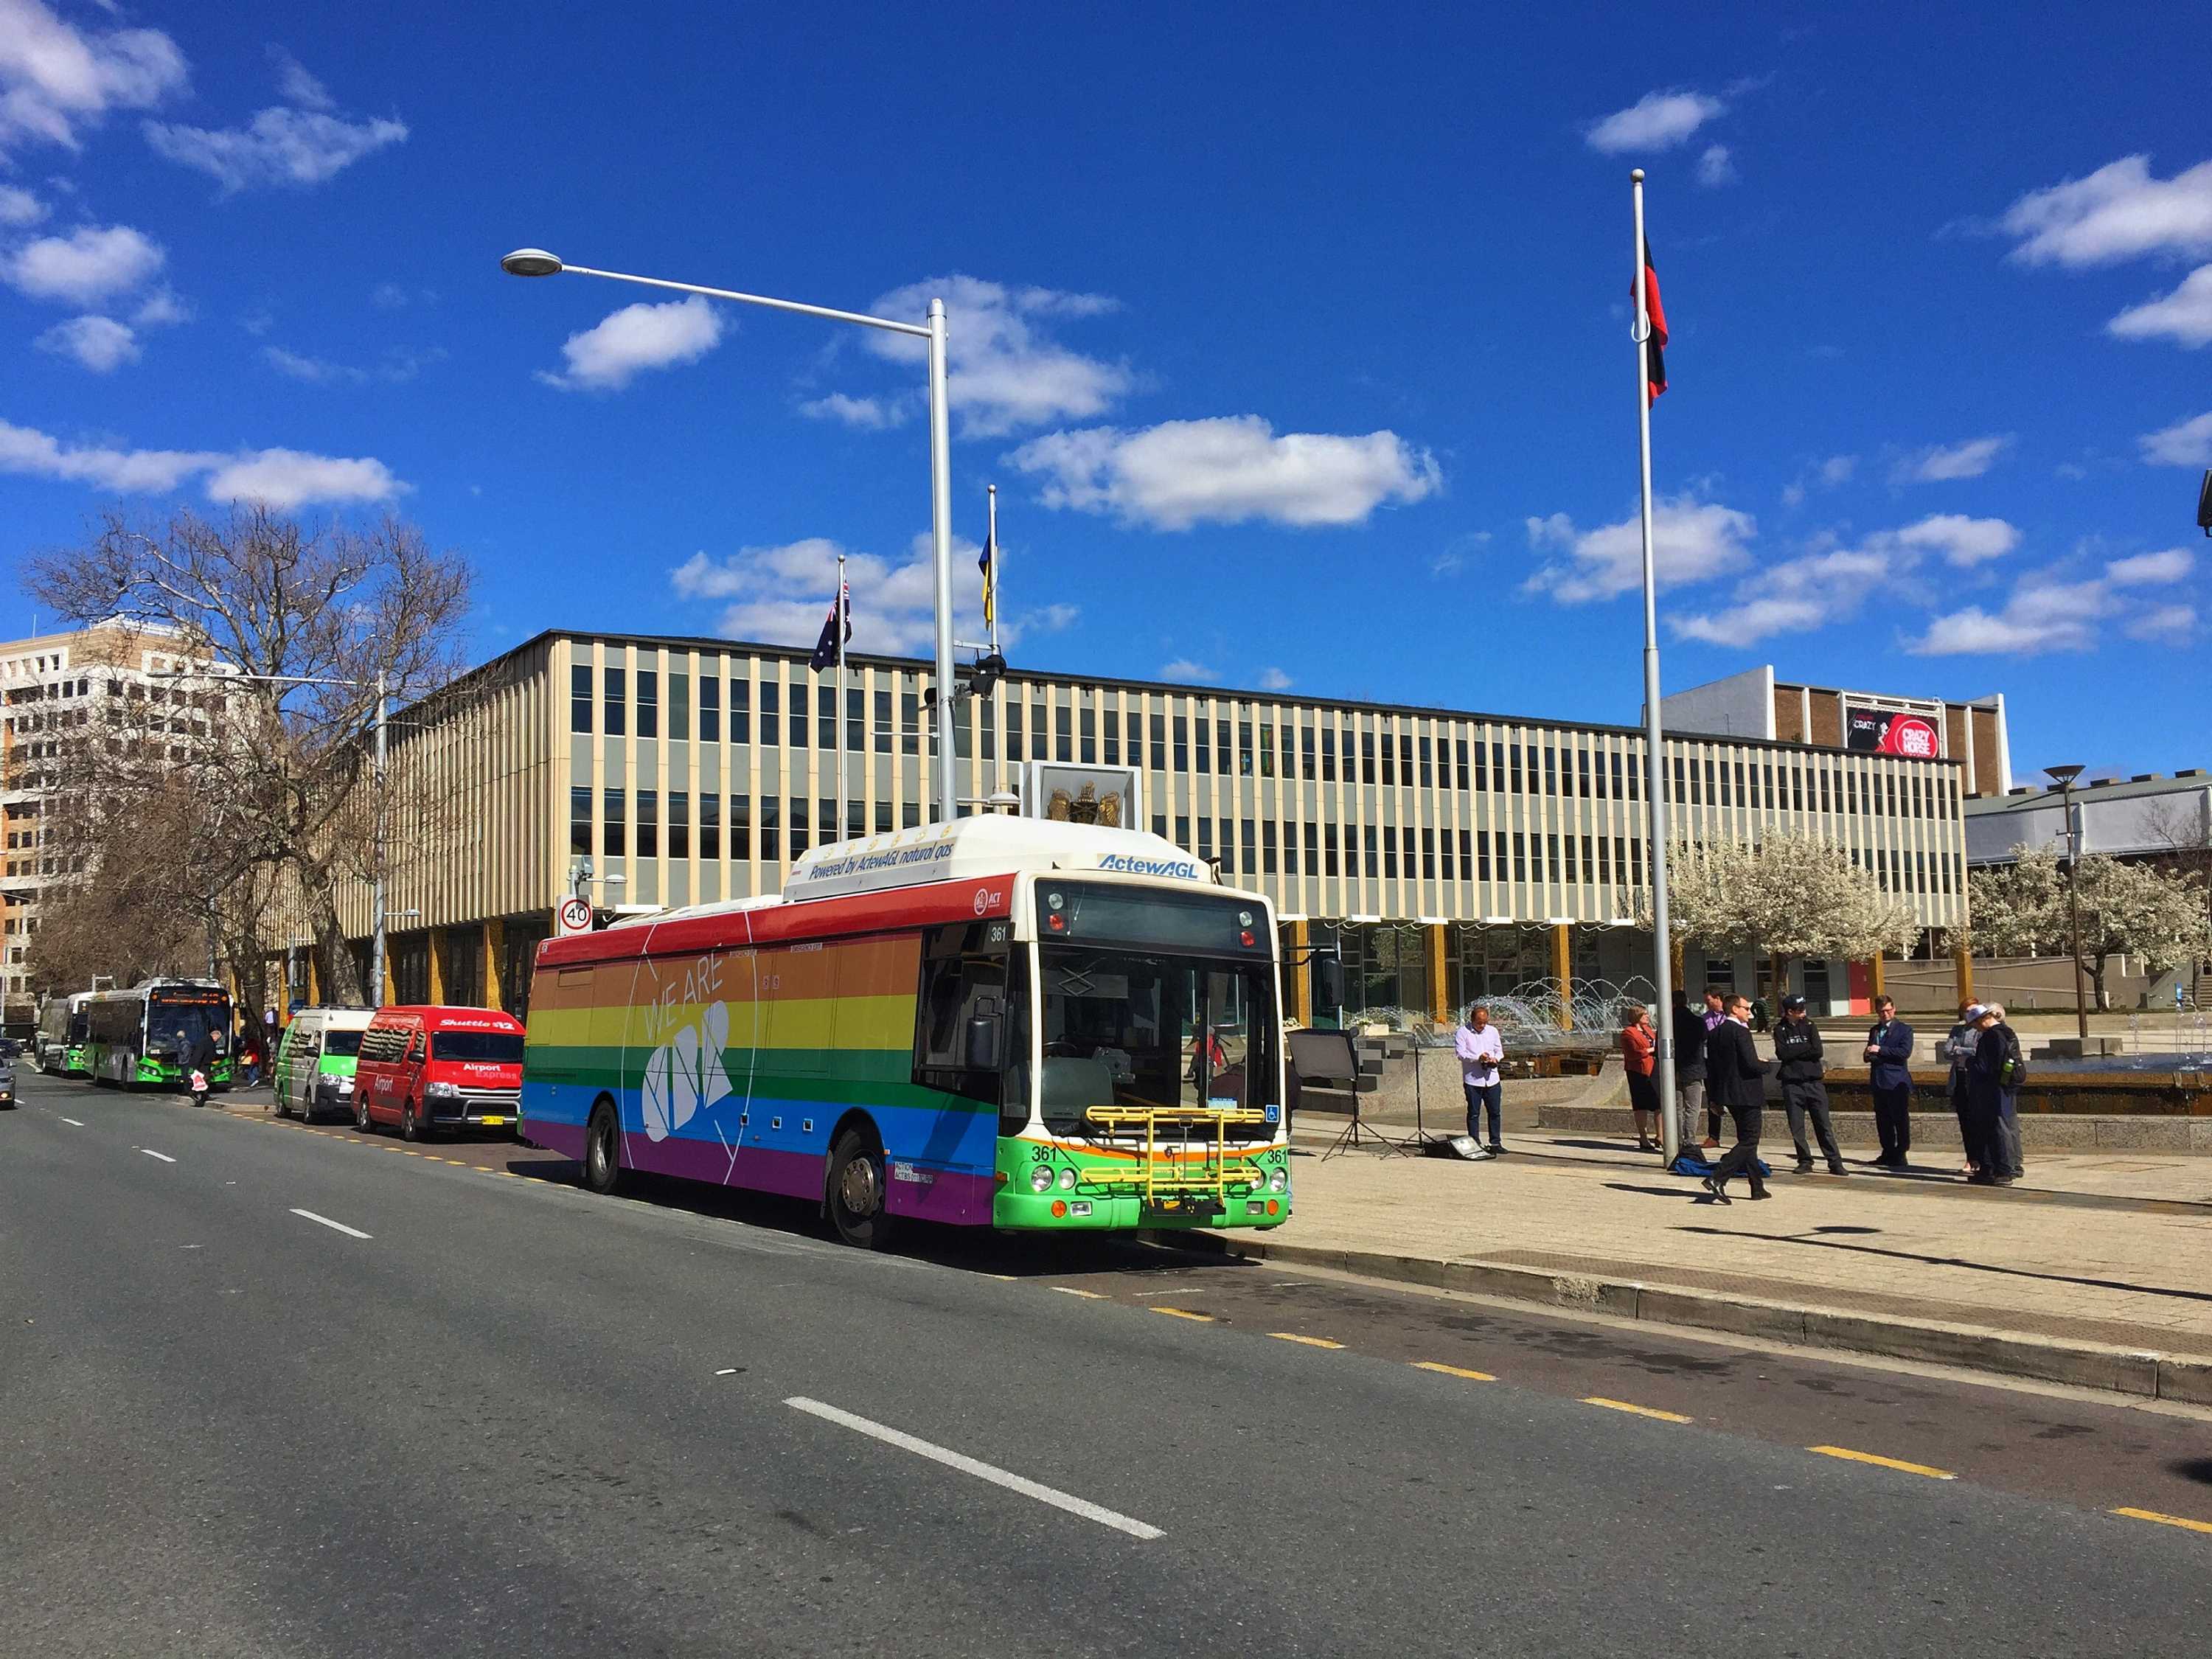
[2147, 1375]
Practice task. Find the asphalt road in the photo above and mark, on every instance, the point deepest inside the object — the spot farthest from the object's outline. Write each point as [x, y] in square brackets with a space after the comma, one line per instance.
[281, 1392]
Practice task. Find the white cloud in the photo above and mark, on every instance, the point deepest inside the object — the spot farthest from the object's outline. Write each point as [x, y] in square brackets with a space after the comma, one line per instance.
[55, 77]
[607, 356]
[19, 207]
[282, 477]
[99, 343]
[1182, 668]
[869, 414]
[1055, 618]
[388, 295]
[291, 477]
[1691, 541]
[2171, 564]
[1942, 463]
[2168, 624]
[1835, 470]
[1793, 597]
[1274, 679]
[2186, 443]
[398, 365]
[1657, 120]
[1228, 470]
[1962, 541]
[2184, 316]
[2044, 614]
[279, 146]
[295, 86]
[2118, 212]
[86, 265]
[1716, 167]
[160, 309]
[1003, 369]
[779, 595]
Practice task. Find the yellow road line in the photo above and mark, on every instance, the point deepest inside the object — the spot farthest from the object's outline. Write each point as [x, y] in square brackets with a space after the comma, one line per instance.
[1453, 1371]
[1638, 1411]
[1846, 1453]
[1309, 1341]
[2166, 1520]
[1185, 1313]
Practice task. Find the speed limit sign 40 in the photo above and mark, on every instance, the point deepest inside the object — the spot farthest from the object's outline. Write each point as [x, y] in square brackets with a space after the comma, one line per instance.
[576, 915]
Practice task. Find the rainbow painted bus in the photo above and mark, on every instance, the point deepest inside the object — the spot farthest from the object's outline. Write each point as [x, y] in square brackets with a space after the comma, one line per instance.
[1000, 1022]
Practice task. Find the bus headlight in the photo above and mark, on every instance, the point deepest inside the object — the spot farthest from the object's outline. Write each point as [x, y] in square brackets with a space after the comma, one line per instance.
[1041, 1178]
[1279, 1181]
[1067, 1181]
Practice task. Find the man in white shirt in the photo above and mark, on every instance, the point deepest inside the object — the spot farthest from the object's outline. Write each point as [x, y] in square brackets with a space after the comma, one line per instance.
[1480, 1050]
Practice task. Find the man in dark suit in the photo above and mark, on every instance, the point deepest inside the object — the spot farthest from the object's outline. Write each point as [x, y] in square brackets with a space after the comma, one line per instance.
[1735, 1078]
[1889, 1054]
[1689, 1033]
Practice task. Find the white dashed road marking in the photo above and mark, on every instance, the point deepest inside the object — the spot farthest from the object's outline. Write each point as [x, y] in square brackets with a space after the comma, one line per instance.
[335, 1226]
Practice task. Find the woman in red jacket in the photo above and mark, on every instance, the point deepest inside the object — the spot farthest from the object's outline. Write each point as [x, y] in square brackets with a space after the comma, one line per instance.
[1639, 1053]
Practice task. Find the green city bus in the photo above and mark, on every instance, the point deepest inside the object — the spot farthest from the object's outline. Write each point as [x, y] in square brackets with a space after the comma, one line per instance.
[60, 1048]
[134, 1036]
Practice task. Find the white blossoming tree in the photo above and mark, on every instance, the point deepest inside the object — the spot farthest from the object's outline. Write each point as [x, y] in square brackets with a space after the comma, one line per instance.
[1787, 895]
[2127, 909]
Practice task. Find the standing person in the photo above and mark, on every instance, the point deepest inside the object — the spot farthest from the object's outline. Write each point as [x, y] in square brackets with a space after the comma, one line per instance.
[1689, 1033]
[1639, 1054]
[1800, 1062]
[1715, 1011]
[1481, 1049]
[1888, 1053]
[1993, 1074]
[1959, 1049]
[1736, 1077]
[198, 1061]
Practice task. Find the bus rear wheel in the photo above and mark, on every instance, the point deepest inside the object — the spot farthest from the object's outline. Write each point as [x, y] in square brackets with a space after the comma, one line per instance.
[602, 1170]
[857, 1191]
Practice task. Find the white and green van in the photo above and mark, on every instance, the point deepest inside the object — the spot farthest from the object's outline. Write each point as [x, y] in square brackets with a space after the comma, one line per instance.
[315, 1061]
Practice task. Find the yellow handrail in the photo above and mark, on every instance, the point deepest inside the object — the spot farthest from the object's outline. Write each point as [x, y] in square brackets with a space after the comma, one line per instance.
[1220, 1171]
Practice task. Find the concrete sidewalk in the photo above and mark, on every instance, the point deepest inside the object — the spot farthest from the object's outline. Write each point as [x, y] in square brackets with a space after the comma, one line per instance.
[2091, 1272]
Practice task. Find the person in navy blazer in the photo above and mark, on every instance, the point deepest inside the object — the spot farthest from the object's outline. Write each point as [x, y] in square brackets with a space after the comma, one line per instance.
[1889, 1054]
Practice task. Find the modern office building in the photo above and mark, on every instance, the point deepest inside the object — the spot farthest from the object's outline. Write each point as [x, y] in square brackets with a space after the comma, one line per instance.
[2148, 816]
[1448, 853]
[1755, 704]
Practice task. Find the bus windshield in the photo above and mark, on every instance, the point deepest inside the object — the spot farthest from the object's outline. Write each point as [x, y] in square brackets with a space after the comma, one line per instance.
[194, 1015]
[1137, 1028]
[494, 1048]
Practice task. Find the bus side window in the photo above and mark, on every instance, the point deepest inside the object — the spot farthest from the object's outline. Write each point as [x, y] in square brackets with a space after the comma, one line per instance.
[962, 993]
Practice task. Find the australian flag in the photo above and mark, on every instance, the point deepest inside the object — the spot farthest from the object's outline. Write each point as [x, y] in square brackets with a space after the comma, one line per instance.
[830, 649]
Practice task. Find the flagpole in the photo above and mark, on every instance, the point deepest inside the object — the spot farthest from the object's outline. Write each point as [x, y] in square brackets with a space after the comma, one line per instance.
[842, 603]
[1655, 774]
[992, 542]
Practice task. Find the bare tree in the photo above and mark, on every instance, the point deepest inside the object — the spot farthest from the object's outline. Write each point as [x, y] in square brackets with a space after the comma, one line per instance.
[302, 625]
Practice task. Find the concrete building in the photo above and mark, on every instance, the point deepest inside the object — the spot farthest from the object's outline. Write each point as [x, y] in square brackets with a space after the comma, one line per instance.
[2149, 815]
[1449, 853]
[55, 690]
[1754, 704]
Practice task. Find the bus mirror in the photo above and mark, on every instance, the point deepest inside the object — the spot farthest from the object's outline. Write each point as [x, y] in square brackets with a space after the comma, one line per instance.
[987, 1043]
[1328, 983]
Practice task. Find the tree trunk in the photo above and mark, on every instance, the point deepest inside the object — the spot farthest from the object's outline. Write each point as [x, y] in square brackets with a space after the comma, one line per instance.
[341, 980]
[2095, 967]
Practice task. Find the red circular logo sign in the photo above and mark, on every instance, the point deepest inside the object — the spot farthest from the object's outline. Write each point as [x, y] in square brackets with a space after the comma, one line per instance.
[1911, 736]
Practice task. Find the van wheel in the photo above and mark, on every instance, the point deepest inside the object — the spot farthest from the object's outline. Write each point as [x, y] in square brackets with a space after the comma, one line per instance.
[409, 1128]
[602, 1150]
[360, 1110]
[857, 1191]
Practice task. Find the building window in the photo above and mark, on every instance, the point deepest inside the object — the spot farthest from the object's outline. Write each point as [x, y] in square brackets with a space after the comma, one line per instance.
[579, 819]
[1114, 739]
[797, 705]
[1520, 856]
[1389, 851]
[884, 729]
[710, 708]
[1372, 860]
[1013, 724]
[649, 703]
[579, 697]
[1206, 839]
[614, 827]
[771, 828]
[1332, 863]
[1266, 750]
[1389, 758]
[883, 817]
[1313, 849]
[910, 723]
[1328, 757]
[1267, 847]
[614, 713]
[680, 824]
[771, 710]
[1181, 743]
[1428, 854]
[856, 720]
[1089, 733]
[741, 711]
[710, 823]
[1182, 830]
[648, 823]
[1220, 746]
[1063, 734]
[1306, 753]
[795, 828]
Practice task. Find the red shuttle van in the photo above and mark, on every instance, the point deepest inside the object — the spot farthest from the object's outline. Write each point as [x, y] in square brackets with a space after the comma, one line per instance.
[432, 1070]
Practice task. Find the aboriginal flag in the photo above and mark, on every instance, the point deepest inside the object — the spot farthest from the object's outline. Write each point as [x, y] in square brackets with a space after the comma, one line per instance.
[1654, 348]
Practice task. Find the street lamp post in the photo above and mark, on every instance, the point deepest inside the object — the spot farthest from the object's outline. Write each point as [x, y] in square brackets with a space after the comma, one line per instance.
[2066, 774]
[537, 262]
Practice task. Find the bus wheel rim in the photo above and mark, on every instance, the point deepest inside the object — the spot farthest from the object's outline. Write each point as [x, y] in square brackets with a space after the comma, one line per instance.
[858, 1187]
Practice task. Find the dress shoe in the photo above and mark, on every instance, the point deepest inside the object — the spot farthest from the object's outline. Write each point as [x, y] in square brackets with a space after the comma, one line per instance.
[1719, 1192]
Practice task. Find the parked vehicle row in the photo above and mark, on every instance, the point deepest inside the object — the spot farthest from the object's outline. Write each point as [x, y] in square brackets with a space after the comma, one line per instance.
[424, 1070]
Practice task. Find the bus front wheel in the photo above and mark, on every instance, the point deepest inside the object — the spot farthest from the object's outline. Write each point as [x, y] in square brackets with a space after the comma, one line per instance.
[857, 1191]
[602, 1150]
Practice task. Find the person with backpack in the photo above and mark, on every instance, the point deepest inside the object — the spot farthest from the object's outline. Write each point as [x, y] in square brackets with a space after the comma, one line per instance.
[1799, 1064]
[1995, 1072]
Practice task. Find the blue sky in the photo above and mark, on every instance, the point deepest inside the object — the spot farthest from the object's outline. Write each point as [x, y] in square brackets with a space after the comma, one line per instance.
[1294, 337]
